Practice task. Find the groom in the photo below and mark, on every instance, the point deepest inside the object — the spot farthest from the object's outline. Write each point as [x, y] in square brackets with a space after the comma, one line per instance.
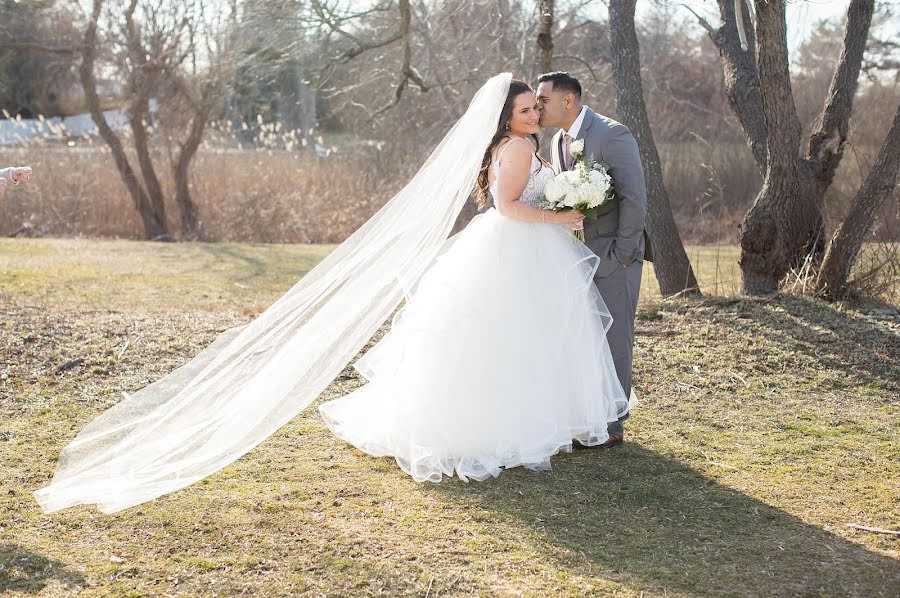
[617, 236]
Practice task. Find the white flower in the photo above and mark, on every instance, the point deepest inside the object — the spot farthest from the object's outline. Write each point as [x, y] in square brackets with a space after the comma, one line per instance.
[599, 179]
[575, 197]
[569, 178]
[553, 191]
[580, 188]
[577, 148]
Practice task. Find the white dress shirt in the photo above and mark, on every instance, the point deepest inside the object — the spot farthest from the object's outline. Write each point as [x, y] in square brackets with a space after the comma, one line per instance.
[576, 126]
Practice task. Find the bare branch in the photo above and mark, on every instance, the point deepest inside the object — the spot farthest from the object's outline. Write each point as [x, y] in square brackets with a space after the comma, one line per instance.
[742, 84]
[327, 17]
[826, 142]
[583, 63]
[880, 182]
[407, 70]
[703, 22]
[38, 47]
[741, 25]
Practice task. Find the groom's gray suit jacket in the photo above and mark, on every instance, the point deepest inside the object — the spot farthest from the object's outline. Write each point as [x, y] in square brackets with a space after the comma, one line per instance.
[618, 234]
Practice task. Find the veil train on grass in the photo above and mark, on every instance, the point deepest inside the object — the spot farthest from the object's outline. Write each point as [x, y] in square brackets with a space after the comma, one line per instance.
[254, 379]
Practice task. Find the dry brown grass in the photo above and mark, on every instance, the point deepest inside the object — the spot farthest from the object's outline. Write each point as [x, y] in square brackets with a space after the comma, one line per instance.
[269, 196]
[277, 196]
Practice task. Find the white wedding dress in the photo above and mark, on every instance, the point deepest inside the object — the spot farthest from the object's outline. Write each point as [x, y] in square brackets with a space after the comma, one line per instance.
[498, 358]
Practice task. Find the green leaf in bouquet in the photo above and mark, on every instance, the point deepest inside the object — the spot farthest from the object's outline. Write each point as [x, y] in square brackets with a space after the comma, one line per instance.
[590, 213]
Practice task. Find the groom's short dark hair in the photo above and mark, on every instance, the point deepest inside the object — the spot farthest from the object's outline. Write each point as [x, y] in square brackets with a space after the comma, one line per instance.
[562, 81]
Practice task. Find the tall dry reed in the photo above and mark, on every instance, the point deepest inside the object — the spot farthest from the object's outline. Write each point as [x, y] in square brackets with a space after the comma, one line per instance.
[292, 196]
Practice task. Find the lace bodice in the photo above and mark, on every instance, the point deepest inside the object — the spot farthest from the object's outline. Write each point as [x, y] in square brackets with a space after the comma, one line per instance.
[534, 190]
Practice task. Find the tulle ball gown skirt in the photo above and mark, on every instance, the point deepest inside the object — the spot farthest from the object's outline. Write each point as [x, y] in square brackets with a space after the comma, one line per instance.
[497, 359]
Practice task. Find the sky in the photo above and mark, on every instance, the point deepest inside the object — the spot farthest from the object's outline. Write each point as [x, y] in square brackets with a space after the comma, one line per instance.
[802, 15]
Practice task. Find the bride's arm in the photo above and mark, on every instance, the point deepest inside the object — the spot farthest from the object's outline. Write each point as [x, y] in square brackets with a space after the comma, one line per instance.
[512, 177]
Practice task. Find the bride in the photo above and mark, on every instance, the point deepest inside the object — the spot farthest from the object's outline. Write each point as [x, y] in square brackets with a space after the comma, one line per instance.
[498, 357]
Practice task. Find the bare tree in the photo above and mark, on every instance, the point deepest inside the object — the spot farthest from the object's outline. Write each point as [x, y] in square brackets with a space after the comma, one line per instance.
[785, 223]
[152, 211]
[158, 59]
[847, 240]
[671, 265]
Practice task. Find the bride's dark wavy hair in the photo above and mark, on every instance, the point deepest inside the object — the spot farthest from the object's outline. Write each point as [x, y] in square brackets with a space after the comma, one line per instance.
[516, 87]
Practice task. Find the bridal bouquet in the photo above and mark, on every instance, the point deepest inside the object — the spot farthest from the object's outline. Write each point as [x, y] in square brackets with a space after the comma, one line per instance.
[584, 188]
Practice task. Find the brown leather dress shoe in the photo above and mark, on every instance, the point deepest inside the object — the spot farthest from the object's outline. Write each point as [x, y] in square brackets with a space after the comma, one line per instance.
[614, 441]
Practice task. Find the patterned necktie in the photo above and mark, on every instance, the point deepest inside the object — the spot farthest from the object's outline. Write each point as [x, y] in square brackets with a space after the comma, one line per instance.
[567, 153]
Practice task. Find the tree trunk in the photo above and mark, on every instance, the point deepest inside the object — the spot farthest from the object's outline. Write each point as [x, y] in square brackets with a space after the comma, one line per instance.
[827, 141]
[190, 220]
[545, 35]
[671, 265]
[143, 82]
[741, 76]
[847, 240]
[785, 223]
[152, 216]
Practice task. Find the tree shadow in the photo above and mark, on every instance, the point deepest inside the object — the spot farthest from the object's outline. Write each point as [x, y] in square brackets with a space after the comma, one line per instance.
[864, 351]
[222, 253]
[635, 515]
[28, 572]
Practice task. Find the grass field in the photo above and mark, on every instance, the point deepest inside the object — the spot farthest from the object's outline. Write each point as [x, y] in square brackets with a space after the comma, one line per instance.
[764, 429]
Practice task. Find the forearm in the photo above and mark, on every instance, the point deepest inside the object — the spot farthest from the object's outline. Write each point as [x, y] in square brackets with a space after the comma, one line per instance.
[6, 173]
[523, 212]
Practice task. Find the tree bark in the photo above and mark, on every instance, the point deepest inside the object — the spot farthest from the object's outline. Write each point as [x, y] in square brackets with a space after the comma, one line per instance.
[741, 76]
[152, 216]
[545, 35]
[847, 240]
[777, 220]
[144, 81]
[190, 219]
[826, 144]
[671, 265]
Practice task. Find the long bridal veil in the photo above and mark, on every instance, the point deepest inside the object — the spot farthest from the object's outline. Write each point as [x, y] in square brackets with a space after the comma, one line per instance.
[254, 379]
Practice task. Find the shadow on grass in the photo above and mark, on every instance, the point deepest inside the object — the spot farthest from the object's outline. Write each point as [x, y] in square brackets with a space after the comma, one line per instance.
[251, 267]
[635, 515]
[864, 352]
[24, 571]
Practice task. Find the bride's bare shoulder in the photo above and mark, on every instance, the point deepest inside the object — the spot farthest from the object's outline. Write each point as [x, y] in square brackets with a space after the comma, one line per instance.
[512, 153]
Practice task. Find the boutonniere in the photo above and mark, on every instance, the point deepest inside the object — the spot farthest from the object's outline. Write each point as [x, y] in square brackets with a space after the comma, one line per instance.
[577, 149]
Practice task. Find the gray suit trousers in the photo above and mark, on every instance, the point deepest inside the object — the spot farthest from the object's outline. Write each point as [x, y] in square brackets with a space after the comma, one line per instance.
[620, 291]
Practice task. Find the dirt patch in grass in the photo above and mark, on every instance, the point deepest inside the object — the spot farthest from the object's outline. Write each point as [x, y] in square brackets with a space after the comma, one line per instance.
[764, 428]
